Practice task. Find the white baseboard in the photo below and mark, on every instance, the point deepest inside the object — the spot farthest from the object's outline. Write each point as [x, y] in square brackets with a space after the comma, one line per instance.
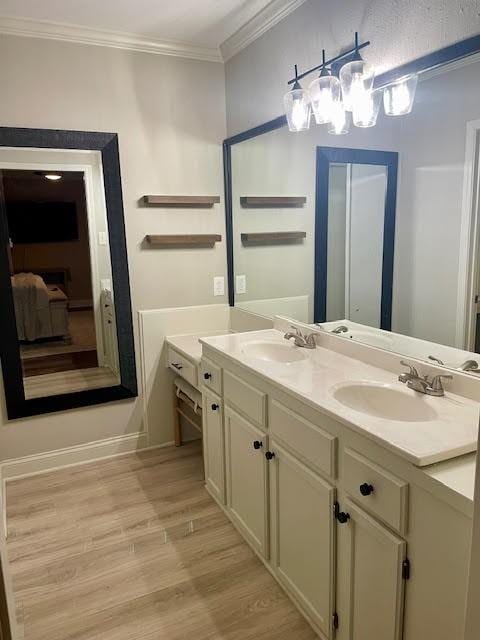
[80, 454]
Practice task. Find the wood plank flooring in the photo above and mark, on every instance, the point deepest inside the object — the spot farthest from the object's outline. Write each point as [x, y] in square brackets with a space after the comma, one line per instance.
[133, 548]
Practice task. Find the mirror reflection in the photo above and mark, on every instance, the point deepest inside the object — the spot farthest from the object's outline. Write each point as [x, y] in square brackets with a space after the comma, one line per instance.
[356, 207]
[61, 280]
[392, 265]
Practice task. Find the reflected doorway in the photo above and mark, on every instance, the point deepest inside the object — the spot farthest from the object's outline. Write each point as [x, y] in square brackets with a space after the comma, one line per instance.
[63, 331]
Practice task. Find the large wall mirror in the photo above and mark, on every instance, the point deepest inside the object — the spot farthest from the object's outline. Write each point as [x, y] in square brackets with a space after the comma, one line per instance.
[67, 336]
[374, 234]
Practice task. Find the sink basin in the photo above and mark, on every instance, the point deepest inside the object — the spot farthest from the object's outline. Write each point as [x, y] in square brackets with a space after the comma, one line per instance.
[273, 352]
[385, 401]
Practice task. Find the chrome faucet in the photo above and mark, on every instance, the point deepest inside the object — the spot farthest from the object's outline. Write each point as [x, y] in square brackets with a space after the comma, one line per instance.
[341, 329]
[469, 365]
[301, 340]
[414, 381]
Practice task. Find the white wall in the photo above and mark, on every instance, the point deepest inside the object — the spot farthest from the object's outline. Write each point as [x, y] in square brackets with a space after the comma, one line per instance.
[400, 30]
[170, 117]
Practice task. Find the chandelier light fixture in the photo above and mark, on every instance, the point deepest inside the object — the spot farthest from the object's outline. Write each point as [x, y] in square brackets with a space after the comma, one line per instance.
[297, 107]
[350, 96]
[325, 95]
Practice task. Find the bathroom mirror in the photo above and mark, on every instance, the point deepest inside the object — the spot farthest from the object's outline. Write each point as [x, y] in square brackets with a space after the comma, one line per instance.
[373, 234]
[67, 335]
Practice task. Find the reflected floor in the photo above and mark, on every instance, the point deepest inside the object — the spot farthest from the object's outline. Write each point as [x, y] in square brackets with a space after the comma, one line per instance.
[51, 384]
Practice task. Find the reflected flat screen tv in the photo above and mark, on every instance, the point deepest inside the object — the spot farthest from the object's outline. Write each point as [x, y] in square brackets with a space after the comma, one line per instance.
[36, 222]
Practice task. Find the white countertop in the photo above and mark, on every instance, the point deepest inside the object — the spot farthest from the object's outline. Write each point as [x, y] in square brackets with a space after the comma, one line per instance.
[189, 345]
[454, 433]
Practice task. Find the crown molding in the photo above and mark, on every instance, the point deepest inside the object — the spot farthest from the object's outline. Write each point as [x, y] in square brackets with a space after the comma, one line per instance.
[265, 19]
[105, 38]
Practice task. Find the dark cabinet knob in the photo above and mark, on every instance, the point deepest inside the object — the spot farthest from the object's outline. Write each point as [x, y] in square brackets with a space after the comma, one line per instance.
[258, 444]
[366, 489]
[207, 376]
[343, 517]
[215, 407]
[269, 455]
[177, 366]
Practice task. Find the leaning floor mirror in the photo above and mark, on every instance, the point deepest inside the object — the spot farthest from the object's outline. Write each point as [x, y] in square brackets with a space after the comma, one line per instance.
[371, 232]
[67, 337]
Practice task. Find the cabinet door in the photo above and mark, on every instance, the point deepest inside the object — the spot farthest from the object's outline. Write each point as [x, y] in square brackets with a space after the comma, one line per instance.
[247, 479]
[303, 534]
[214, 446]
[370, 584]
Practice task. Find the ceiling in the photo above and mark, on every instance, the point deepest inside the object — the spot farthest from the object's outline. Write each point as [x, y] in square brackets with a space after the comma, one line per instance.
[201, 24]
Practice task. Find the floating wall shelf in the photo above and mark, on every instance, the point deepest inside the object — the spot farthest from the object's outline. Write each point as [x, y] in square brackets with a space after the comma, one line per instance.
[181, 201]
[257, 202]
[275, 237]
[199, 240]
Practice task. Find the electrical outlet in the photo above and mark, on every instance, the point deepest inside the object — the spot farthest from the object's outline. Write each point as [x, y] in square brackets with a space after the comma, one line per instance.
[102, 238]
[219, 286]
[241, 284]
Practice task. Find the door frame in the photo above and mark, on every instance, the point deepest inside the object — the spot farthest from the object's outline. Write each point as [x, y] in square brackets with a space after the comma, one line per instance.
[326, 156]
[469, 262]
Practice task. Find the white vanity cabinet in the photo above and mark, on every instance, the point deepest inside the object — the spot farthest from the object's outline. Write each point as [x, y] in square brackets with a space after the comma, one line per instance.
[337, 519]
[303, 535]
[246, 475]
[214, 445]
[371, 561]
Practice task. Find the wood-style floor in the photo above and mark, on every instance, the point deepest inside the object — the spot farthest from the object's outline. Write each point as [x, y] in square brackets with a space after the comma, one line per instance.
[133, 548]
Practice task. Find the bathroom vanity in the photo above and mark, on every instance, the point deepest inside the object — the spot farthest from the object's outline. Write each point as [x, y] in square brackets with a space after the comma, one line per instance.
[354, 491]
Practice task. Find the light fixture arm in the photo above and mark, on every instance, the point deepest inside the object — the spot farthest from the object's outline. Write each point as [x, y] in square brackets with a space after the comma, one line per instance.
[353, 51]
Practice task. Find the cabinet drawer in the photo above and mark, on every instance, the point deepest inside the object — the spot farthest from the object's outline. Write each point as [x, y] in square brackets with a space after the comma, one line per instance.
[182, 367]
[377, 490]
[248, 400]
[310, 443]
[211, 376]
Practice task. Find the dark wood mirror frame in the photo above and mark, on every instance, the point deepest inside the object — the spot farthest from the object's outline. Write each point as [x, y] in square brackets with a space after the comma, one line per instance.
[17, 405]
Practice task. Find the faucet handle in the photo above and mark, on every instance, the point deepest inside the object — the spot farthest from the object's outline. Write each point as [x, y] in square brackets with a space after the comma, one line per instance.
[412, 370]
[437, 382]
[296, 329]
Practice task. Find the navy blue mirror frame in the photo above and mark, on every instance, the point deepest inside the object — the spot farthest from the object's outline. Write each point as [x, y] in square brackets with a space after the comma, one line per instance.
[451, 53]
[325, 157]
[17, 405]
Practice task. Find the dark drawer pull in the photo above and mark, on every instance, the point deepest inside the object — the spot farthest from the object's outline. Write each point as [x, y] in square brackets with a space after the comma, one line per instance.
[269, 455]
[258, 444]
[207, 376]
[343, 517]
[177, 366]
[366, 489]
[215, 407]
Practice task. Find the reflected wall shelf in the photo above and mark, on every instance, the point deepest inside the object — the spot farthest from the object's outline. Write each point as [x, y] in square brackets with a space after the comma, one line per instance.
[190, 240]
[274, 237]
[181, 201]
[259, 202]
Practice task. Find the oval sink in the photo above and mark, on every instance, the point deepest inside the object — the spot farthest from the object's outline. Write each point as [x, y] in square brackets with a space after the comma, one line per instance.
[273, 352]
[384, 401]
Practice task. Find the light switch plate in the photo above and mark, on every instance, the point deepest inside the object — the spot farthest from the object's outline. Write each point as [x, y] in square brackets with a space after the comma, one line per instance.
[241, 284]
[102, 238]
[219, 286]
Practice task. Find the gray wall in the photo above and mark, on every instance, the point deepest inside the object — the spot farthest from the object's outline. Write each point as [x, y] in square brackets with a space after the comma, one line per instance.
[400, 30]
[170, 117]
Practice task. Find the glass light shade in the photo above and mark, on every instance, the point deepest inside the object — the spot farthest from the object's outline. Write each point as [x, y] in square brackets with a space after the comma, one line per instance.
[398, 97]
[325, 94]
[356, 79]
[340, 122]
[365, 111]
[297, 109]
